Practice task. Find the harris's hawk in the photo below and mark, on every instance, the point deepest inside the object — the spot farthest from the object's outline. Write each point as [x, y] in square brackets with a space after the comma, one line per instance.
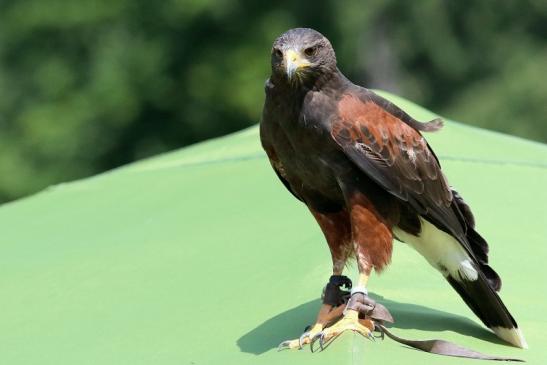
[366, 173]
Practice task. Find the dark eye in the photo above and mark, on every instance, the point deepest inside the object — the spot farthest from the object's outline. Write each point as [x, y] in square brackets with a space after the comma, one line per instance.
[310, 51]
[278, 52]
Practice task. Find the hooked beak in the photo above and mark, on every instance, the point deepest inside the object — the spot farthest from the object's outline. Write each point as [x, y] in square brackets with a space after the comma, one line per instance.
[294, 62]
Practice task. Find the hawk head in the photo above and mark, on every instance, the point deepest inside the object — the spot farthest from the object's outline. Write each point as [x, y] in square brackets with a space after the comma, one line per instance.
[301, 56]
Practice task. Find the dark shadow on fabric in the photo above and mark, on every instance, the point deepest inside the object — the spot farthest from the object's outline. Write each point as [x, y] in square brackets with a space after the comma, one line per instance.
[290, 324]
[284, 326]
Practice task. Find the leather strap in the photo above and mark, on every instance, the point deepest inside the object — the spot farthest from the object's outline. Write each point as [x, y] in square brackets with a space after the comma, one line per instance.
[441, 347]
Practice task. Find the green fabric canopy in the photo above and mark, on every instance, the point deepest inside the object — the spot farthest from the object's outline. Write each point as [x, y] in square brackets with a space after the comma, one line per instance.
[200, 256]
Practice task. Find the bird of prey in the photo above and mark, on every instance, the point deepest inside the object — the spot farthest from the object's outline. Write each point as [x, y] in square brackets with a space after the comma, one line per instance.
[366, 173]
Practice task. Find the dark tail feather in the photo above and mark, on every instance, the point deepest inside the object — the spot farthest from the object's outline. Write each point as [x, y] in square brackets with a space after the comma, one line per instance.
[478, 245]
[480, 249]
[487, 305]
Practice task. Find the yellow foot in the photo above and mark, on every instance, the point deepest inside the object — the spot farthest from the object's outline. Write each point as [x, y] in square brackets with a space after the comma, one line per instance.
[327, 314]
[350, 321]
[303, 340]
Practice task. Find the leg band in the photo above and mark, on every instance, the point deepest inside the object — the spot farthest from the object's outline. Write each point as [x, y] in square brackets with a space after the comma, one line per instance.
[333, 294]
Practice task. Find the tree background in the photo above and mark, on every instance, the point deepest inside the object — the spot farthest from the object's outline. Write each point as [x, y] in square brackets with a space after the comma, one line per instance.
[86, 86]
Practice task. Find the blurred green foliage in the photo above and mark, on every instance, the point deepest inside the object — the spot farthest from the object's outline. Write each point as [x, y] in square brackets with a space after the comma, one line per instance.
[89, 85]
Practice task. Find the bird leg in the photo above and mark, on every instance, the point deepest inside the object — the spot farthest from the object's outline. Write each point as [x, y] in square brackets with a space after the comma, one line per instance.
[334, 299]
[350, 319]
[337, 230]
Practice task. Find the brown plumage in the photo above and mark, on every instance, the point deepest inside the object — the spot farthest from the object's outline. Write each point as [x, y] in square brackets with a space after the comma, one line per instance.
[367, 174]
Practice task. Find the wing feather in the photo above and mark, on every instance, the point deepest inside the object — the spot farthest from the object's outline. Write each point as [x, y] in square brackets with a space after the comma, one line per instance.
[386, 144]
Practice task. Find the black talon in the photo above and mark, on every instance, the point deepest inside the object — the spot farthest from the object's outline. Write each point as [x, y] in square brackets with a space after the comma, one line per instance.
[314, 338]
[283, 346]
[307, 333]
[321, 339]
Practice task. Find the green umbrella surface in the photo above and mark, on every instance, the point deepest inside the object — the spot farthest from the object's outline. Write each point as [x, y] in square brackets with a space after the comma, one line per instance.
[200, 256]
